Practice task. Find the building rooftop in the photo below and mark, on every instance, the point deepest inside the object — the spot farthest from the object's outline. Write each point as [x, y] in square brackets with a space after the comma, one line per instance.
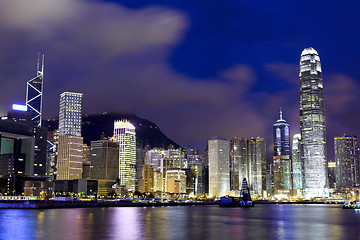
[308, 51]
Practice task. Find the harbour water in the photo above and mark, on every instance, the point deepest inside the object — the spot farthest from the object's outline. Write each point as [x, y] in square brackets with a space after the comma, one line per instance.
[183, 222]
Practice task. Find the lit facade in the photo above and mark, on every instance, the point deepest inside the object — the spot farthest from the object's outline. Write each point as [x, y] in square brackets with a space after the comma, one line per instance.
[70, 114]
[312, 124]
[104, 158]
[124, 134]
[257, 165]
[154, 157]
[347, 161]
[250, 157]
[34, 90]
[176, 181]
[146, 185]
[281, 161]
[70, 158]
[235, 160]
[70, 148]
[297, 164]
[219, 171]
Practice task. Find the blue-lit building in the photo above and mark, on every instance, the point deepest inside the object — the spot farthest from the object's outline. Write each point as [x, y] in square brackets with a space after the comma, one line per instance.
[281, 162]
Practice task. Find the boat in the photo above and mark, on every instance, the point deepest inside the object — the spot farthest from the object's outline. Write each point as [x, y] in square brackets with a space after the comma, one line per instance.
[351, 205]
[245, 197]
[243, 201]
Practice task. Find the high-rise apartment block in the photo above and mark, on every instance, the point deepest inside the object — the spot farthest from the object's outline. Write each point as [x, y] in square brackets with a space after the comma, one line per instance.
[281, 161]
[219, 171]
[347, 161]
[70, 149]
[124, 134]
[312, 124]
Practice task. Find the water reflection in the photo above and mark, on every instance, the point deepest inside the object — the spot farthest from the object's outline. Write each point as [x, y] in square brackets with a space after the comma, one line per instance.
[191, 222]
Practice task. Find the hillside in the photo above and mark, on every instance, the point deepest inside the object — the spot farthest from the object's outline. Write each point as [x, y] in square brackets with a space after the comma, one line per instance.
[97, 125]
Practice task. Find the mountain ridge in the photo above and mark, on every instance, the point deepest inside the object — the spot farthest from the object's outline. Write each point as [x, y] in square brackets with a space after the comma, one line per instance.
[97, 126]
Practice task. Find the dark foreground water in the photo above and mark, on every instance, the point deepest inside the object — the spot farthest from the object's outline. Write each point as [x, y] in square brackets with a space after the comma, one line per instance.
[183, 222]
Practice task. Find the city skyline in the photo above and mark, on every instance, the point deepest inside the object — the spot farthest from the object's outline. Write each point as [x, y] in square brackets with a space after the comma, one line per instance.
[237, 86]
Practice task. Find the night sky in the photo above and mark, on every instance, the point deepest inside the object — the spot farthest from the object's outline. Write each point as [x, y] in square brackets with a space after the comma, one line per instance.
[196, 68]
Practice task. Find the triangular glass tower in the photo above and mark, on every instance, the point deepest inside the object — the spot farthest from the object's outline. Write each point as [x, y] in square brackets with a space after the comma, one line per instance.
[34, 89]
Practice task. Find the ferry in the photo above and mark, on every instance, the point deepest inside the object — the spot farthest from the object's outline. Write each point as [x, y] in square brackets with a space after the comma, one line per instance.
[351, 205]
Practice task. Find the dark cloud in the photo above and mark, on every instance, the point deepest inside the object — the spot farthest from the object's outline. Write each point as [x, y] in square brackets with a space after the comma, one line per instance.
[197, 69]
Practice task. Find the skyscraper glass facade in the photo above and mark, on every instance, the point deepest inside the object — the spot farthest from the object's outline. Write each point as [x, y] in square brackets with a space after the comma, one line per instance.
[34, 89]
[124, 134]
[281, 161]
[312, 124]
[347, 161]
[70, 114]
[297, 164]
[219, 172]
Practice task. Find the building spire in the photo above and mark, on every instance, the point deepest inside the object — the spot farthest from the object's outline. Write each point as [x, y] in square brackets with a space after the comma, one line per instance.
[281, 114]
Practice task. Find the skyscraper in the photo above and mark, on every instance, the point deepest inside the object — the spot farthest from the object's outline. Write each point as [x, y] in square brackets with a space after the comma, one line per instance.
[34, 89]
[70, 157]
[297, 164]
[219, 172]
[281, 163]
[239, 156]
[104, 160]
[347, 161]
[124, 134]
[235, 158]
[70, 114]
[312, 124]
[257, 165]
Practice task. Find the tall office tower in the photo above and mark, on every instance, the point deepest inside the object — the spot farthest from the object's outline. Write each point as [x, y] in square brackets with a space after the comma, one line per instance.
[239, 152]
[176, 181]
[124, 134]
[219, 171]
[70, 114]
[70, 163]
[347, 161]
[234, 164]
[154, 157]
[70, 156]
[238, 164]
[41, 160]
[281, 161]
[332, 169]
[312, 124]
[140, 157]
[176, 155]
[297, 164]
[146, 183]
[34, 90]
[257, 165]
[104, 158]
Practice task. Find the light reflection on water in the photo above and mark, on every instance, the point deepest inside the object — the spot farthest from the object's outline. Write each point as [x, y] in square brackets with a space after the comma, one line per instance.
[186, 222]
